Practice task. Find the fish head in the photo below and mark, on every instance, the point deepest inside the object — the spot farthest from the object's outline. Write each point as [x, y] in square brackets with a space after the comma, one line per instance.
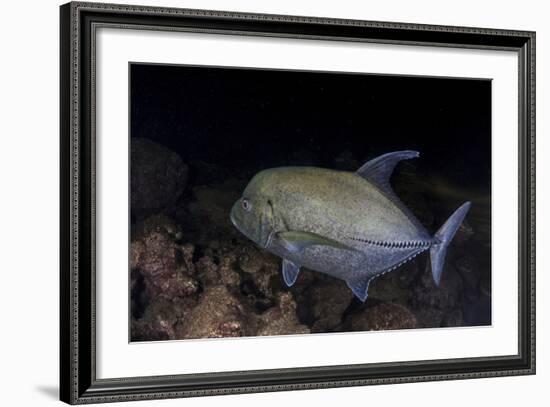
[252, 214]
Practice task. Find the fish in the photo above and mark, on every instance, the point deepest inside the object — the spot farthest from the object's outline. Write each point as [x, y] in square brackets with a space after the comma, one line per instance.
[349, 225]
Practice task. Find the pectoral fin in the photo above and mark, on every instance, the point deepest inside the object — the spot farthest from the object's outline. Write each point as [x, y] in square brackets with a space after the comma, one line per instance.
[290, 272]
[360, 287]
[295, 242]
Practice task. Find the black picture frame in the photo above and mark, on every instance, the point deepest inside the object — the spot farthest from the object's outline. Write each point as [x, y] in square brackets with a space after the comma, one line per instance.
[78, 382]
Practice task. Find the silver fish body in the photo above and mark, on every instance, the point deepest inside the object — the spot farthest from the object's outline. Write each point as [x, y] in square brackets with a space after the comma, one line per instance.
[348, 225]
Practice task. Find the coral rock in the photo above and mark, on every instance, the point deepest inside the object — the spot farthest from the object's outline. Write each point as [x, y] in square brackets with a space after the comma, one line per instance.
[395, 287]
[161, 263]
[453, 318]
[430, 303]
[328, 301]
[281, 319]
[207, 271]
[160, 320]
[165, 266]
[268, 280]
[218, 314]
[211, 206]
[228, 275]
[251, 260]
[384, 316]
[158, 177]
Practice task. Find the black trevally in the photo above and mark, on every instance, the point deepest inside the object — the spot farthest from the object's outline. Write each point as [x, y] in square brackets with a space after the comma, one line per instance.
[350, 225]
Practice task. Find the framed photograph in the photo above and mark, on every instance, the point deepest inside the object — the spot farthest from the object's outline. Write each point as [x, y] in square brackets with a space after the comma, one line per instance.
[255, 203]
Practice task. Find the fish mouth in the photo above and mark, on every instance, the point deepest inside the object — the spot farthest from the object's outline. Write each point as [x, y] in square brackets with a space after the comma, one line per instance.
[234, 221]
[260, 244]
[233, 217]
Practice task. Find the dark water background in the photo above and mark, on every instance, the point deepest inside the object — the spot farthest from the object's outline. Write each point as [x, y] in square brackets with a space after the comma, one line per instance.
[231, 123]
[262, 118]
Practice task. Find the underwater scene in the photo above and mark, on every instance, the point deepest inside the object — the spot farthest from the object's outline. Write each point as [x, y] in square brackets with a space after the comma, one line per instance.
[277, 202]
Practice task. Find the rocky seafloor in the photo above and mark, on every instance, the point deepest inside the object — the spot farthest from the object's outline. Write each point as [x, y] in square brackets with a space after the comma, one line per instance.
[193, 275]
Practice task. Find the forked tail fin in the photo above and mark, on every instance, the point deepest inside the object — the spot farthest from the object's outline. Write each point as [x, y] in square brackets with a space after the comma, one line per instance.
[442, 238]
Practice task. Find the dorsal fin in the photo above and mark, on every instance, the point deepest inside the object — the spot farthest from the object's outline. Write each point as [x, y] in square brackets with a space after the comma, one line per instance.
[378, 172]
[379, 169]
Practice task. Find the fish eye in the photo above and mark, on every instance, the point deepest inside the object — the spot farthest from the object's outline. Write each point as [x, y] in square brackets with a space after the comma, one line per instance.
[246, 204]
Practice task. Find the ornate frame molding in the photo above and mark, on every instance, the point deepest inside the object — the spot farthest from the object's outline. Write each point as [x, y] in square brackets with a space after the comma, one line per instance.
[79, 384]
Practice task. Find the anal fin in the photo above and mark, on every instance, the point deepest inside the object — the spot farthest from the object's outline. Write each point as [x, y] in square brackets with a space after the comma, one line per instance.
[360, 287]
